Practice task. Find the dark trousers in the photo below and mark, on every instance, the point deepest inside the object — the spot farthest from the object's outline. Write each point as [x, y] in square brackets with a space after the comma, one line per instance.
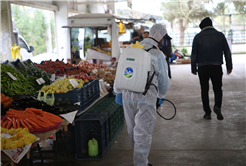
[213, 72]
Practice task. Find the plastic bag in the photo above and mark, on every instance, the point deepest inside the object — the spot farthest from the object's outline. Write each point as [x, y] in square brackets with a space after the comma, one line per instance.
[47, 99]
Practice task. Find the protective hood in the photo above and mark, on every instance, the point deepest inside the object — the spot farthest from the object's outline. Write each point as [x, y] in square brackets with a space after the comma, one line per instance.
[157, 31]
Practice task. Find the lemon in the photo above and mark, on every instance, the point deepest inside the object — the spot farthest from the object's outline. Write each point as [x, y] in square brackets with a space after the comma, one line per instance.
[13, 146]
[18, 130]
[25, 138]
[5, 130]
[8, 145]
[8, 141]
[2, 146]
[27, 142]
[24, 131]
[32, 138]
[3, 140]
[12, 131]
[19, 144]
[19, 135]
[14, 138]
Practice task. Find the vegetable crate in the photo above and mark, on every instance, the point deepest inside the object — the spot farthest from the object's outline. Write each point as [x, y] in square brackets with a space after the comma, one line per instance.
[90, 93]
[85, 95]
[116, 115]
[70, 97]
[99, 123]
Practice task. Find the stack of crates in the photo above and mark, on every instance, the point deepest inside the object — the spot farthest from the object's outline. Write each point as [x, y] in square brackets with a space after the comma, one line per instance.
[106, 119]
[98, 122]
[116, 115]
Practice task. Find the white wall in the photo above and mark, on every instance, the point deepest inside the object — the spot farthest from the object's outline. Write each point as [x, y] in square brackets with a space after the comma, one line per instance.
[97, 8]
[6, 38]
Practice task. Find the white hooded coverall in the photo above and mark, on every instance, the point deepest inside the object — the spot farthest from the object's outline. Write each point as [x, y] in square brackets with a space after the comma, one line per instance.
[140, 110]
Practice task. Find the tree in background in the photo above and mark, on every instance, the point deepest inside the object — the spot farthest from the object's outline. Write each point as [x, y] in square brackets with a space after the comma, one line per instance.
[38, 28]
[32, 27]
[240, 7]
[220, 10]
[185, 12]
[53, 33]
[235, 19]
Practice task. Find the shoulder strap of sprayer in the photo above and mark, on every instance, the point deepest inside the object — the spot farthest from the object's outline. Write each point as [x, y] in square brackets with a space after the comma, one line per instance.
[151, 78]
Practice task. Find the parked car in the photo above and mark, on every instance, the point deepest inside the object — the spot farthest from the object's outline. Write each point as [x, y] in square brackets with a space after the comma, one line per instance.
[25, 49]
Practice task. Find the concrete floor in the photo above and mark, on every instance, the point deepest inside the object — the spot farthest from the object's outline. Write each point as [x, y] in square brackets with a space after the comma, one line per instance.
[188, 139]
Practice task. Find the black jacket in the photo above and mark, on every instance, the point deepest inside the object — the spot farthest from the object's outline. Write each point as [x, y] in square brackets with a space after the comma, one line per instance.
[208, 48]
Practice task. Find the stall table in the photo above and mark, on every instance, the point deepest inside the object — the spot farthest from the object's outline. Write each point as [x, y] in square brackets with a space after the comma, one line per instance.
[4, 157]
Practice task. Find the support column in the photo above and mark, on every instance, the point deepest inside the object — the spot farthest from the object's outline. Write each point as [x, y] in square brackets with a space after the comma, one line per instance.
[62, 34]
[6, 32]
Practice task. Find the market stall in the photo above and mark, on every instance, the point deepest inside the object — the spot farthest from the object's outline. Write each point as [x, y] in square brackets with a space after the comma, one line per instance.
[45, 98]
[101, 37]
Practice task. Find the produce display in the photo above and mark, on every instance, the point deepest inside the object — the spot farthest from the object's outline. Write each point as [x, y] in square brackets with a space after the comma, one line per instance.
[62, 86]
[20, 137]
[88, 67]
[37, 72]
[11, 86]
[21, 102]
[56, 67]
[108, 74]
[20, 87]
[30, 118]
[5, 101]
[23, 69]
[82, 76]
[79, 71]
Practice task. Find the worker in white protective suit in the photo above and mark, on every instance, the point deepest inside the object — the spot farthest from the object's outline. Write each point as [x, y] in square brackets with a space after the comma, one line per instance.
[140, 110]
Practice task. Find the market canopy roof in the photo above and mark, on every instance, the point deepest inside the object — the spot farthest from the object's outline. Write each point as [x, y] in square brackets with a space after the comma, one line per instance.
[105, 16]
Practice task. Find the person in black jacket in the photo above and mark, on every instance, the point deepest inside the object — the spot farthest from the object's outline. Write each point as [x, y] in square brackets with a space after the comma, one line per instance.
[207, 53]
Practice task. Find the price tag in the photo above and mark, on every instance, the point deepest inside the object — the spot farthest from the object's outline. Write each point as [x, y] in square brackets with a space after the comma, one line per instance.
[6, 135]
[11, 75]
[53, 77]
[40, 81]
[74, 83]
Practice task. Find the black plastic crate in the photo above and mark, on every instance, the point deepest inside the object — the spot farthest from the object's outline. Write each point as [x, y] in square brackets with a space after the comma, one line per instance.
[85, 93]
[94, 88]
[116, 115]
[82, 95]
[99, 123]
[90, 93]
[71, 97]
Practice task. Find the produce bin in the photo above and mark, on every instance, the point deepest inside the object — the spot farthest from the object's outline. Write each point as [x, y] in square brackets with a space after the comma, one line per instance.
[85, 95]
[116, 115]
[99, 123]
[90, 93]
[71, 97]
